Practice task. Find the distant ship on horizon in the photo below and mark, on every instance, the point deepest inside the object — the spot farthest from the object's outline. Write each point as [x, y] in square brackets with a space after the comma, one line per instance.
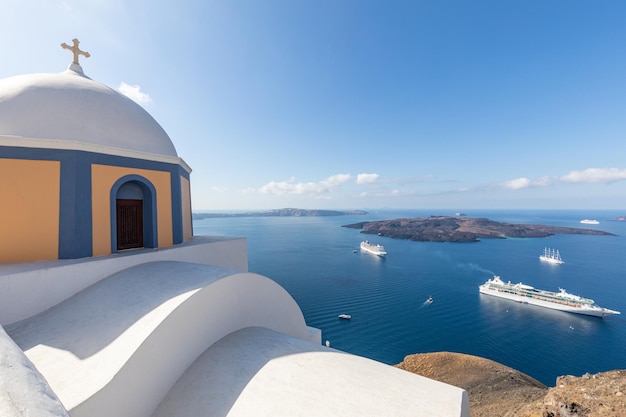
[589, 221]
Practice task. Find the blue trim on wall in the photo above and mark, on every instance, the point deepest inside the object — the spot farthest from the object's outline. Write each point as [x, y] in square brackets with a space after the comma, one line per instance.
[75, 214]
[75, 218]
[177, 209]
[182, 172]
[177, 205]
[150, 231]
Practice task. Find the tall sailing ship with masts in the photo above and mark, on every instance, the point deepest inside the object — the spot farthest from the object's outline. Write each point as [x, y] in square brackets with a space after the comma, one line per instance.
[552, 256]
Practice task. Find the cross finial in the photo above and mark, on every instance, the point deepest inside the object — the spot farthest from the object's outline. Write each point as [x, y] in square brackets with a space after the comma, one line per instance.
[75, 50]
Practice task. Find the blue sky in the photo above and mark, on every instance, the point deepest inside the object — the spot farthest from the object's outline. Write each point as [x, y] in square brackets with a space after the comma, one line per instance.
[361, 104]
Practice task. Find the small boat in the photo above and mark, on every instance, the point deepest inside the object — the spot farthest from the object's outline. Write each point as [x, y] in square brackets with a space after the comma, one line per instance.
[551, 256]
[345, 316]
[430, 299]
[354, 251]
[589, 221]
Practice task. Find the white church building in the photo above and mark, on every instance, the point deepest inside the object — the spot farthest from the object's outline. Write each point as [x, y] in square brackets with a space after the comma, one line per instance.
[110, 306]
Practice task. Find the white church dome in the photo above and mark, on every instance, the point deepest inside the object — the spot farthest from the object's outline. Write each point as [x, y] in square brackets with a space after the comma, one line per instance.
[69, 106]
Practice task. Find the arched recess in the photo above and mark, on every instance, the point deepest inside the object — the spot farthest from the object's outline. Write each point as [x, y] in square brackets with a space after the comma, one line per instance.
[135, 187]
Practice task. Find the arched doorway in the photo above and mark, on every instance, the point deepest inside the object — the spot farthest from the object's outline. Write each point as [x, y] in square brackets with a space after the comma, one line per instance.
[129, 210]
[133, 214]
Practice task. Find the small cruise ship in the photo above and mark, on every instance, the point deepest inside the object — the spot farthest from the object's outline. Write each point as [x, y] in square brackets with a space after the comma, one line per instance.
[561, 300]
[371, 248]
[551, 256]
[589, 221]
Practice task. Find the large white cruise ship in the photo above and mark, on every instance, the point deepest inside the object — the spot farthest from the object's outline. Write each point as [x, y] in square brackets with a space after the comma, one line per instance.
[562, 300]
[371, 248]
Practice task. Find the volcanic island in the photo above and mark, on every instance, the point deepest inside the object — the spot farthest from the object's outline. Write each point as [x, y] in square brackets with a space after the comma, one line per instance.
[462, 229]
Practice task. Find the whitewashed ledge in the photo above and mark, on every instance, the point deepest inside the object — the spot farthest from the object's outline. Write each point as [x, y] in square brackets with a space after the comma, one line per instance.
[23, 390]
[259, 372]
[30, 288]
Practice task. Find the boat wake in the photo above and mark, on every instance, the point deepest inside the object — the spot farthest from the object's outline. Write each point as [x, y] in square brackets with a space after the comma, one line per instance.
[475, 267]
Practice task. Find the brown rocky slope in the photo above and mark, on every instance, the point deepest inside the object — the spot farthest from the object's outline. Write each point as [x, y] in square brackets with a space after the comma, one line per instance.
[497, 390]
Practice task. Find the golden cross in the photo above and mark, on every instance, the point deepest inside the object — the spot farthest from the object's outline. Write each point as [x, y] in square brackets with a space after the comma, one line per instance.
[75, 50]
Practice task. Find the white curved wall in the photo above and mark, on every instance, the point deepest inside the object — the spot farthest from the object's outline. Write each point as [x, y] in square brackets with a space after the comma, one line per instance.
[230, 304]
[22, 388]
[259, 372]
[118, 346]
[30, 288]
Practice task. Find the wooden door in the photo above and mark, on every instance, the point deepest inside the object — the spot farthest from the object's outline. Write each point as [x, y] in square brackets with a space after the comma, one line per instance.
[129, 224]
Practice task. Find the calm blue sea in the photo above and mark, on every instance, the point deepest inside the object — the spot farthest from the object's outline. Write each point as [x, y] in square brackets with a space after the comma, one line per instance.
[313, 259]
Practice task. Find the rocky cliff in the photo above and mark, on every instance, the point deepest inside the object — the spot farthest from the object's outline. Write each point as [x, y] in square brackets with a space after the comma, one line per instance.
[497, 390]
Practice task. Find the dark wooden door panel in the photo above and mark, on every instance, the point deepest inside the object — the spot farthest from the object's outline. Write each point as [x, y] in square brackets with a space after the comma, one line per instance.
[129, 224]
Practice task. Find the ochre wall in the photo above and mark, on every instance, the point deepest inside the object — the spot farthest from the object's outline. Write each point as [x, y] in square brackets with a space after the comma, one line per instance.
[29, 210]
[185, 192]
[103, 177]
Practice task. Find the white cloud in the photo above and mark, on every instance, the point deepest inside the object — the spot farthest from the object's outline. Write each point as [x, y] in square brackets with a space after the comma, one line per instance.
[516, 184]
[523, 182]
[289, 187]
[316, 189]
[216, 189]
[589, 175]
[366, 178]
[134, 93]
[386, 193]
[602, 175]
[336, 179]
[542, 182]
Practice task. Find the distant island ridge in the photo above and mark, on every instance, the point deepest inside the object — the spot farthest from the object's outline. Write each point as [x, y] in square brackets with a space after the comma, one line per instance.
[462, 229]
[283, 212]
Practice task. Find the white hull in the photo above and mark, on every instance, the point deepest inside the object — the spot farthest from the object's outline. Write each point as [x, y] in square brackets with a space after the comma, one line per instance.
[551, 256]
[570, 307]
[551, 260]
[587, 221]
[597, 312]
[374, 249]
